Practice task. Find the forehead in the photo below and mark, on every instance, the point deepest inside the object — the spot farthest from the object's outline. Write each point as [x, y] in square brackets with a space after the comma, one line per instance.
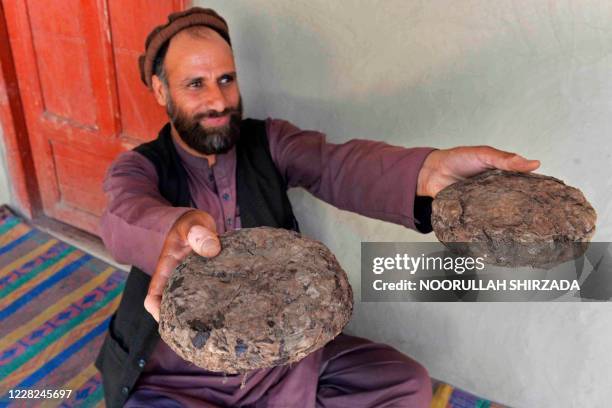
[198, 50]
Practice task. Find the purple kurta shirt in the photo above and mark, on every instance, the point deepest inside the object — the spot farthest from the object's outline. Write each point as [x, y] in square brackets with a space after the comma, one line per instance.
[366, 177]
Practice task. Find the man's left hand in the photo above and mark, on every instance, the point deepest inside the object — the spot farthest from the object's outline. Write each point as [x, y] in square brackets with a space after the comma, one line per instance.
[442, 168]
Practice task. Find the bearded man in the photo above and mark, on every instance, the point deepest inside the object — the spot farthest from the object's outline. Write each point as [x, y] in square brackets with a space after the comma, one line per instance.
[211, 171]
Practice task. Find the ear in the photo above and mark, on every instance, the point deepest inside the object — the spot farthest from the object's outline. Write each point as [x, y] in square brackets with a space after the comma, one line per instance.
[159, 90]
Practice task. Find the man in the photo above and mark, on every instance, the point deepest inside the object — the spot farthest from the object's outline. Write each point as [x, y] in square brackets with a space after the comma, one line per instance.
[209, 171]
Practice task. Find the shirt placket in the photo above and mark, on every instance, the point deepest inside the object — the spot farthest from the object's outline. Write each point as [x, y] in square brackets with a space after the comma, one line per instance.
[225, 196]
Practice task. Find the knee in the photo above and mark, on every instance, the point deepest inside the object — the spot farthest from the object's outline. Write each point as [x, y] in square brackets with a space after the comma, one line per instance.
[414, 382]
[392, 378]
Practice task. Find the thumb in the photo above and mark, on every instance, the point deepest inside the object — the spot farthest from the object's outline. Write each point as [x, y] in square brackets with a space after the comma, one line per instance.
[203, 241]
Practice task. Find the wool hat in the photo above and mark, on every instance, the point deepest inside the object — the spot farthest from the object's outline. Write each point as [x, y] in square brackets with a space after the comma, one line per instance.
[176, 22]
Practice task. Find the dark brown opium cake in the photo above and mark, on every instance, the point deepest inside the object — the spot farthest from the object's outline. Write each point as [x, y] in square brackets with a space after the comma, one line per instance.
[514, 219]
[270, 297]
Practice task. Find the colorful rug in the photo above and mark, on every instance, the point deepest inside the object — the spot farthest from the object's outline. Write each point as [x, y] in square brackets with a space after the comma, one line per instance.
[447, 396]
[55, 306]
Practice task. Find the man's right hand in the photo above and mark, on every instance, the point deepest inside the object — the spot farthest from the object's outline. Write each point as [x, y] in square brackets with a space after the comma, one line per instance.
[195, 230]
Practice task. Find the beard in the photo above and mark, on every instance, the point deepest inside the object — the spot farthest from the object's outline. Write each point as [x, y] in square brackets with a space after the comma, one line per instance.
[215, 140]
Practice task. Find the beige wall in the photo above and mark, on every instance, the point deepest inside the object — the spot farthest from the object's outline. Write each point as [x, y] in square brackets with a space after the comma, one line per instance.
[528, 76]
[5, 190]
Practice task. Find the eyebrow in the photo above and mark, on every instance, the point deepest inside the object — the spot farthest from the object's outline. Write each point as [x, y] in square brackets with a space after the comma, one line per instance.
[202, 79]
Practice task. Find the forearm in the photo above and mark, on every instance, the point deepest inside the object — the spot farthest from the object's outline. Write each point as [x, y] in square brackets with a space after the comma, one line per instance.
[379, 180]
[137, 219]
[138, 241]
[367, 177]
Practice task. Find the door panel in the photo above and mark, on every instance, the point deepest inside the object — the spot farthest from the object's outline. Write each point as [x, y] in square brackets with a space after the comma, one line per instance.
[76, 64]
[140, 114]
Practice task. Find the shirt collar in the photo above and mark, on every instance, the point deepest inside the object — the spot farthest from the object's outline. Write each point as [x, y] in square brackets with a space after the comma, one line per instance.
[201, 163]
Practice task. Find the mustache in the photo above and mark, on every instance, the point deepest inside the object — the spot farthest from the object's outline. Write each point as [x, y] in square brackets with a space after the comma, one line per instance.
[215, 114]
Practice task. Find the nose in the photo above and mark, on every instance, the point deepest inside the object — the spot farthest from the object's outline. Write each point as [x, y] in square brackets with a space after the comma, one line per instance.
[215, 100]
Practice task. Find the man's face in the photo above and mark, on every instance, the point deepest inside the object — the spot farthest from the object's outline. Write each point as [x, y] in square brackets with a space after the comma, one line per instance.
[202, 98]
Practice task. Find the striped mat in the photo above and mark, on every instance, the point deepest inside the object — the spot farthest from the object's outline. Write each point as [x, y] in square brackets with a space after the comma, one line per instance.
[55, 306]
[447, 396]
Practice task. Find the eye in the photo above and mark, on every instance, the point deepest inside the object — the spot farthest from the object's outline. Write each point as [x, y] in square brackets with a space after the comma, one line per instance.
[196, 83]
[226, 79]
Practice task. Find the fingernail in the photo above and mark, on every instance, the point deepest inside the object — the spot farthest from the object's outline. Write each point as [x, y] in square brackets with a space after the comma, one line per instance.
[194, 236]
[208, 244]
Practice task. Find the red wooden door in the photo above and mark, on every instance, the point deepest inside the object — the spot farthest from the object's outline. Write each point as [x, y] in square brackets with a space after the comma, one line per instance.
[76, 66]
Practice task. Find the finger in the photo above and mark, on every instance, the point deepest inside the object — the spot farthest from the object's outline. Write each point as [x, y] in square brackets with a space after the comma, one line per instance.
[165, 266]
[209, 222]
[196, 218]
[499, 159]
[203, 241]
[152, 304]
[519, 163]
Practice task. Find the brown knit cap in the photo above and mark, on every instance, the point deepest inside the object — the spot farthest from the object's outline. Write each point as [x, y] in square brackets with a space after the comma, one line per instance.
[177, 22]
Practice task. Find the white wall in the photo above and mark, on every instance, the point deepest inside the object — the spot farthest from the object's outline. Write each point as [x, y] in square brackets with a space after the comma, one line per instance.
[5, 190]
[529, 76]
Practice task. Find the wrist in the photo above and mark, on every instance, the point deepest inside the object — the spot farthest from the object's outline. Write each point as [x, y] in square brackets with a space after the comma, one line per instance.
[425, 174]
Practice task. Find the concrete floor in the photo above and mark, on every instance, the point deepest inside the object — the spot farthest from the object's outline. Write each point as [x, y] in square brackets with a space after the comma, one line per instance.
[79, 238]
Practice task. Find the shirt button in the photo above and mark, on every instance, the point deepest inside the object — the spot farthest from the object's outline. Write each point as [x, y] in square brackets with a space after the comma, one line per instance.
[141, 363]
[125, 390]
[226, 196]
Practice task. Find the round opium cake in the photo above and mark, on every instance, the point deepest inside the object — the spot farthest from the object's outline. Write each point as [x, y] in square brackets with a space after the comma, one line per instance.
[270, 297]
[514, 219]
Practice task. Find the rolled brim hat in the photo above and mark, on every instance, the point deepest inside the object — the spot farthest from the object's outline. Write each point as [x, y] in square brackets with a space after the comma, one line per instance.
[195, 16]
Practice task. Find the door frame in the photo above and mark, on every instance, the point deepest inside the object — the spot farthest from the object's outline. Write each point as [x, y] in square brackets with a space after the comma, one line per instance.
[23, 183]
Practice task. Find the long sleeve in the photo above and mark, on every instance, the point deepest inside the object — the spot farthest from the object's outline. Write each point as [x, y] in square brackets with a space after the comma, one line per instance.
[137, 218]
[370, 178]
